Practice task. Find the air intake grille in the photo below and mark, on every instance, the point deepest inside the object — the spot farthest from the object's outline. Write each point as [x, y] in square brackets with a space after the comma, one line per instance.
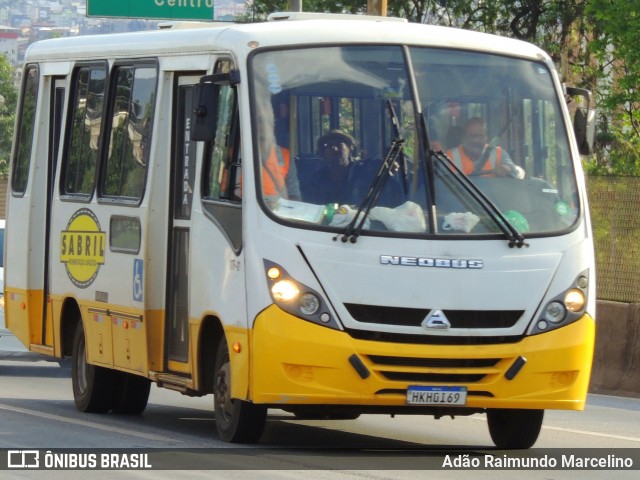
[434, 370]
[433, 377]
[413, 317]
[434, 362]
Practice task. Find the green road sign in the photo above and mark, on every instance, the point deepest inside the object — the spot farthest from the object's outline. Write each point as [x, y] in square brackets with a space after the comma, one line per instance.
[168, 9]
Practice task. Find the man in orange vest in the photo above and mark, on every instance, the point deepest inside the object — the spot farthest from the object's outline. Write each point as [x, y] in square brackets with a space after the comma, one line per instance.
[475, 157]
[279, 176]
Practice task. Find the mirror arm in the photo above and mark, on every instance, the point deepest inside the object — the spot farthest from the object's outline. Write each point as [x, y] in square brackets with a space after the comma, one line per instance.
[230, 78]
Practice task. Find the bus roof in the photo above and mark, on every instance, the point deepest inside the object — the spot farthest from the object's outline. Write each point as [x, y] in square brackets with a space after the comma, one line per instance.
[289, 32]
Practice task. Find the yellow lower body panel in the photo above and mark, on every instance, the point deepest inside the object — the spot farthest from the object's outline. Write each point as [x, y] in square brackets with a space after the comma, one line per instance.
[295, 362]
[23, 316]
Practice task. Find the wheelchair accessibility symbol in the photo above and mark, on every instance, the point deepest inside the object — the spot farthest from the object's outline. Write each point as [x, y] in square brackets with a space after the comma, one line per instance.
[138, 277]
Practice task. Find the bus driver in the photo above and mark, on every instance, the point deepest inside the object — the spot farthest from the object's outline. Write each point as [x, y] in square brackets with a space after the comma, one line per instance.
[475, 157]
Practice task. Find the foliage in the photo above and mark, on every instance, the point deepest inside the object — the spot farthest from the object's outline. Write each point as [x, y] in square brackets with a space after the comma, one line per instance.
[7, 113]
[614, 46]
[260, 9]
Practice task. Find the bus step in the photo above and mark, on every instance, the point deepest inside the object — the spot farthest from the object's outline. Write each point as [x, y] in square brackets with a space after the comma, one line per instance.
[178, 383]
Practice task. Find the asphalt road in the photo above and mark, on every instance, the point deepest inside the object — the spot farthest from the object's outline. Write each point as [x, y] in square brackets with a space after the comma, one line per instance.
[37, 412]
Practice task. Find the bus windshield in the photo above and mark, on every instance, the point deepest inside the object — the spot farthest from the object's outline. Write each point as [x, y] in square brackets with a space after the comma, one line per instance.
[342, 130]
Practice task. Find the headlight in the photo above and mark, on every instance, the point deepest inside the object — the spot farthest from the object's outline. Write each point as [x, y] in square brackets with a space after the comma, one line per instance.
[575, 300]
[309, 304]
[296, 298]
[555, 312]
[284, 291]
[565, 308]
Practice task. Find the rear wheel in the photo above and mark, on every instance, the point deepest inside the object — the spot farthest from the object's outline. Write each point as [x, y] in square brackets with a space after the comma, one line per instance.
[131, 393]
[237, 421]
[514, 429]
[92, 385]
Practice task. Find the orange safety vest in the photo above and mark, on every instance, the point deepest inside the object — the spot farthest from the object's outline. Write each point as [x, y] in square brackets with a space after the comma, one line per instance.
[274, 173]
[464, 163]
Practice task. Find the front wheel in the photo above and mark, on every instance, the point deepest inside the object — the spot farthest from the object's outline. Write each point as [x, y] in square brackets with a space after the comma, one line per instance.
[514, 429]
[92, 385]
[237, 421]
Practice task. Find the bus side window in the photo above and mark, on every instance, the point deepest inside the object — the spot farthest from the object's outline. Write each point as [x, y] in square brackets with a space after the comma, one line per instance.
[81, 153]
[222, 179]
[129, 133]
[24, 141]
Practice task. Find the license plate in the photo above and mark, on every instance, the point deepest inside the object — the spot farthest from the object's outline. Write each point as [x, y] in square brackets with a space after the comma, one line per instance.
[420, 395]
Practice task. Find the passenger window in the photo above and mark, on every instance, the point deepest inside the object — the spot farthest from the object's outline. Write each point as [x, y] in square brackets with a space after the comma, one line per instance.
[26, 128]
[128, 137]
[82, 151]
[222, 179]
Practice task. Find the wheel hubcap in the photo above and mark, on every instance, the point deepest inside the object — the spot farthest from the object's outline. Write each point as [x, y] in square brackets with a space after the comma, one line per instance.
[222, 391]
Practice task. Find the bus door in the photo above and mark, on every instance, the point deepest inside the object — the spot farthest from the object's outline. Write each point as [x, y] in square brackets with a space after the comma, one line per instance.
[33, 204]
[182, 186]
[58, 90]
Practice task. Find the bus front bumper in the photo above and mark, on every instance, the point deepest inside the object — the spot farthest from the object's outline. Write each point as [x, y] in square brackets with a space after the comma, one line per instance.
[295, 362]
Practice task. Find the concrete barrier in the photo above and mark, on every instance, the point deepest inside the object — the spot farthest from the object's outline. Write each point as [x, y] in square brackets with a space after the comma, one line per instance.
[616, 362]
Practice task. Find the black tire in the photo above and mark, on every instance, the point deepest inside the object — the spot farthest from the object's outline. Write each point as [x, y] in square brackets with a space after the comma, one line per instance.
[514, 429]
[237, 421]
[92, 385]
[131, 393]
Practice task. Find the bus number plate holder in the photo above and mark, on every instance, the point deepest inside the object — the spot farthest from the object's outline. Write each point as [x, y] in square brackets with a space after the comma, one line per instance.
[422, 395]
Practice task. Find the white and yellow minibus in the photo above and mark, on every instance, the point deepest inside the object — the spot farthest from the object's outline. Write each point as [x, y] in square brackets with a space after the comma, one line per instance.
[283, 214]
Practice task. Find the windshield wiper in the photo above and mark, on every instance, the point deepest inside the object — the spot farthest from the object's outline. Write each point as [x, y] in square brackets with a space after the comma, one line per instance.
[514, 237]
[354, 228]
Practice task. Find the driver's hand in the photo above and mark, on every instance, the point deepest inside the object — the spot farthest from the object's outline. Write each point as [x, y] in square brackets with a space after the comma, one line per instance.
[503, 170]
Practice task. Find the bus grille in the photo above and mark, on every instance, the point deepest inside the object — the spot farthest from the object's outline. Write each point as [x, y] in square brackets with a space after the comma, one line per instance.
[433, 377]
[413, 317]
[434, 370]
[425, 339]
[434, 362]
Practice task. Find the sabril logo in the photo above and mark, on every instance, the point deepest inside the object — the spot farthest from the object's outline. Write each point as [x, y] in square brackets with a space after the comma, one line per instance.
[82, 247]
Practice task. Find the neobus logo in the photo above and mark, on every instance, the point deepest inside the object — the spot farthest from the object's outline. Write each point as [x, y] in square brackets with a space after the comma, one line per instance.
[82, 247]
[430, 262]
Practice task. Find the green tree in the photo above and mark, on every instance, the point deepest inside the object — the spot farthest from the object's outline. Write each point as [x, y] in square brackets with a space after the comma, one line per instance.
[7, 113]
[614, 45]
[258, 10]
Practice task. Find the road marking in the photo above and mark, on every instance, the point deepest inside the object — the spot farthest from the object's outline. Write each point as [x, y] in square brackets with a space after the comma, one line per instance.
[83, 423]
[593, 434]
[579, 432]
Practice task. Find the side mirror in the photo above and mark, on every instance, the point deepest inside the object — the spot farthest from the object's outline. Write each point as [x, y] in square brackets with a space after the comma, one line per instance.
[584, 118]
[204, 111]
